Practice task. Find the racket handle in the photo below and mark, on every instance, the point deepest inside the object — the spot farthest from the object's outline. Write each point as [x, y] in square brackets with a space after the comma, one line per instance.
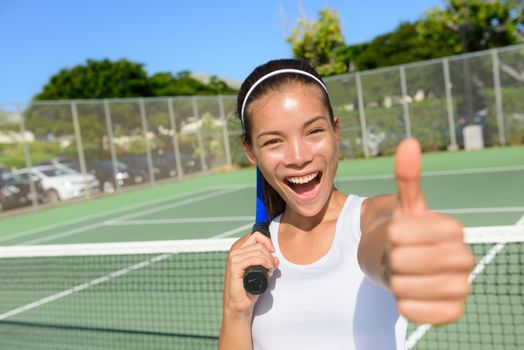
[262, 227]
[256, 278]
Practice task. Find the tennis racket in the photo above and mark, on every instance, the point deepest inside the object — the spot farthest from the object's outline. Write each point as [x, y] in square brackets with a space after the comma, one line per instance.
[256, 277]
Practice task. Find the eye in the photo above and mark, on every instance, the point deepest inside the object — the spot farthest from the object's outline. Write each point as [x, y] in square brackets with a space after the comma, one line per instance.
[315, 131]
[271, 142]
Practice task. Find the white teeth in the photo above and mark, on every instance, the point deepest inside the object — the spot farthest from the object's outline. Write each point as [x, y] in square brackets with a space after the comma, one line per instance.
[303, 179]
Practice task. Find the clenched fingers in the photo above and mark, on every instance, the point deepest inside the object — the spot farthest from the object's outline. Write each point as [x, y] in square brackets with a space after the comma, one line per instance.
[430, 259]
[426, 228]
[433, 287]
[257, 237]
[252, 249]
[251, 255]
[435, 312]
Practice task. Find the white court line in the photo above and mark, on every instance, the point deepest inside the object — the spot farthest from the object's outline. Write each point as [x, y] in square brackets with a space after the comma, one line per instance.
[174, 205]
[481, 210]
[249, 218]
[421, 330]
[94, 216]
[83, 286]
[521, 221]
[105, 278]
[435, 173]
[20, 234]
[180, 220]
[474, 171]
[123, 217]
[234, 231]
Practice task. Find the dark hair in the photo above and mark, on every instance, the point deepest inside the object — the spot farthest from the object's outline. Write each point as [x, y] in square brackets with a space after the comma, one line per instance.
[274, 203]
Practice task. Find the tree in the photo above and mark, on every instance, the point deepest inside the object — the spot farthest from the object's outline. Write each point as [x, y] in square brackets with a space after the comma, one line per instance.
[403, 45]
[319, 41]
[347, 55]
[122, 78]
[463, 26]
[165, 84]
[219, 86]
[98, 79]
[473, 25]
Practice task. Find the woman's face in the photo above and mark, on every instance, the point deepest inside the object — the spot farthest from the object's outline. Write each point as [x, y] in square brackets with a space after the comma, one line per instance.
[295, 146]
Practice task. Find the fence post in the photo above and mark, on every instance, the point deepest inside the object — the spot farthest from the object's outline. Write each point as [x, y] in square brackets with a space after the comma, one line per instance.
[362, 116]
[405, 107]
[199, 136]
[176, 148]
[225, 134]
[79, 146]
[27, 156]
[109, 127]
[143, 119]
[449, 103]
[498, 97]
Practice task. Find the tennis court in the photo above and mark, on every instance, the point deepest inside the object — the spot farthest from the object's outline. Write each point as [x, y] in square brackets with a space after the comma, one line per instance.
[168, 294]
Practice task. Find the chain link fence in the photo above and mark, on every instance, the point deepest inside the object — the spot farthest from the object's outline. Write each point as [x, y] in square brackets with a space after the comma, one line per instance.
[438, 101]
[461, 102]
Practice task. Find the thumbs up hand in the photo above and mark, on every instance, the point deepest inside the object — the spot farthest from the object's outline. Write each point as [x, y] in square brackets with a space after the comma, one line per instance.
[427, 262]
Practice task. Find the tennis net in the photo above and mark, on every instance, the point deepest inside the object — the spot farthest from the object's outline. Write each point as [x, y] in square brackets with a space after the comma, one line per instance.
[140, 295]
[168, 295]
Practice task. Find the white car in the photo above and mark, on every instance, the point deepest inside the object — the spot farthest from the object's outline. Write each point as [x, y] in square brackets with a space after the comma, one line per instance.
[62, 183]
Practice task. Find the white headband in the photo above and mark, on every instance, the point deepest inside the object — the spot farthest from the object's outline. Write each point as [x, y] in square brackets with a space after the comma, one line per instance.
[268, 75]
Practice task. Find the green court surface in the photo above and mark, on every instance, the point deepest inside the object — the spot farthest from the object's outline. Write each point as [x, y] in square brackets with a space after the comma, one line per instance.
[146, 309]
[480, 188]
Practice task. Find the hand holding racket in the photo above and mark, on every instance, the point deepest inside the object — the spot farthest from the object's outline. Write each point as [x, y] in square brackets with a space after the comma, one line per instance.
[256, 278]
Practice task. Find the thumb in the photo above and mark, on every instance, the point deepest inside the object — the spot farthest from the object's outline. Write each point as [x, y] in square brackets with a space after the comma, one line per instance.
[407, 173]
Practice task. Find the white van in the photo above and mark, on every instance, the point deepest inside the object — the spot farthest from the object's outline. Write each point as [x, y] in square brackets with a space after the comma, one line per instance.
[62, 183]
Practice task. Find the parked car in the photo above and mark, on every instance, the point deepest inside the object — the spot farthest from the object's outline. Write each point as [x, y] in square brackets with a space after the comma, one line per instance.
[189, 163]
[58, 161]
[164, 164]
[15, 190]
[125, 175]
[62, 183]
[140, 162]
[103, 171]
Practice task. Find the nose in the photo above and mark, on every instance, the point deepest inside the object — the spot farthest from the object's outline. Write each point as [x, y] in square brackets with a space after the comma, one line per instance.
[298, 154]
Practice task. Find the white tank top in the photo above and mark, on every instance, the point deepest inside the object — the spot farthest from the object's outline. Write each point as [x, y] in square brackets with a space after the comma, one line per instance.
[329, 304]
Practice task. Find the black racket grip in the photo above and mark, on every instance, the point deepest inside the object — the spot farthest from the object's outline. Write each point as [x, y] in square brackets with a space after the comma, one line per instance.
[256, 278]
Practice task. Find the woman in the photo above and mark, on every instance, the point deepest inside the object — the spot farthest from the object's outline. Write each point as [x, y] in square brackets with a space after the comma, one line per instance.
[341, 267]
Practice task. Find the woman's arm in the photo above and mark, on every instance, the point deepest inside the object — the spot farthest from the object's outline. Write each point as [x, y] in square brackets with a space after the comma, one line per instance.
[235, 332]
[252, 249]
[376, 214]
[420, 256]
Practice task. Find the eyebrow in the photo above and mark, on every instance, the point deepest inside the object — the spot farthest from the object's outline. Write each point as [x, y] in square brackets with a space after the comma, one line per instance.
[305, 125]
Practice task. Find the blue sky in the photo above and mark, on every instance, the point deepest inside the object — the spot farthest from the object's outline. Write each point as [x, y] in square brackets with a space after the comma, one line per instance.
[227, 38]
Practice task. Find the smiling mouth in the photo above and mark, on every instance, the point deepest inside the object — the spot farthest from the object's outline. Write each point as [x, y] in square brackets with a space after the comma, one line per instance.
[304, 184]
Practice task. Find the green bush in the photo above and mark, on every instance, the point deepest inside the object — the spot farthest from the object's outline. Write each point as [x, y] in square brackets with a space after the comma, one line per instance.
[428, 119]
[13, 155]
